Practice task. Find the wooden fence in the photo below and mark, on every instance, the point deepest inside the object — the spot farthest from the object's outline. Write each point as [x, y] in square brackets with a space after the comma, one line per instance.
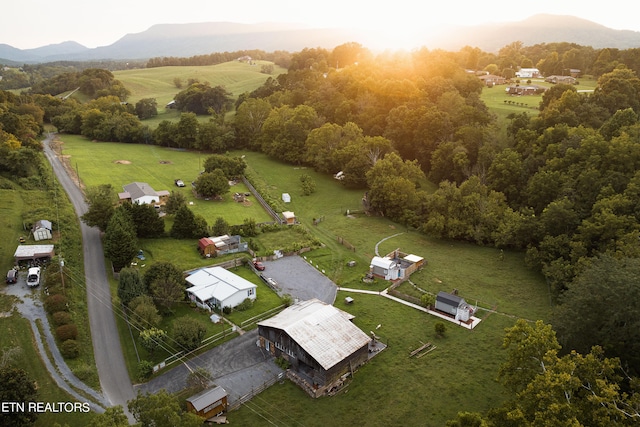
[254, 391]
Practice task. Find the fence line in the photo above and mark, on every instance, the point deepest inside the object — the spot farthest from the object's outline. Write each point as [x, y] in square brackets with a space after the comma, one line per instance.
[261, 200]
[254, 391]
[260, 316]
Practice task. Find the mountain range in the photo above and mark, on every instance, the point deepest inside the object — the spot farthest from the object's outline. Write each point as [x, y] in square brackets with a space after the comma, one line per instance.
[184, 40]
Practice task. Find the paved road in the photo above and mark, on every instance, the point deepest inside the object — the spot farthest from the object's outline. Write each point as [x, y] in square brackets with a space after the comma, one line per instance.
[114, 378]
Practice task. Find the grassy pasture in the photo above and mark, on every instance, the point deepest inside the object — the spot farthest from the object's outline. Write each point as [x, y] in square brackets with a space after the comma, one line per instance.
[236, 77]
[496, 98]
[120, 164]
[394, 389]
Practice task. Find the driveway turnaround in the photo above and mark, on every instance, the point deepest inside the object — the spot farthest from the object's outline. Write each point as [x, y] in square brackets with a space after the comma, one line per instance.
[298, 277]
[239, 366]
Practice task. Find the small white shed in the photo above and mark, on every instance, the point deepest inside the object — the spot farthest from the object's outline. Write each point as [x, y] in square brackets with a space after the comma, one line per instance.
[42, 230]
[286, 197]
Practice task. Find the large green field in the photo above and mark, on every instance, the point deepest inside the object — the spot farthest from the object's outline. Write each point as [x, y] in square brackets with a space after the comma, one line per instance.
[236, 77]
[100, 163]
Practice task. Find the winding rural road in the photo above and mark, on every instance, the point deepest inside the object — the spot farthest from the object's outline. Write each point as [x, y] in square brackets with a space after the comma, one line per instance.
[114, 378]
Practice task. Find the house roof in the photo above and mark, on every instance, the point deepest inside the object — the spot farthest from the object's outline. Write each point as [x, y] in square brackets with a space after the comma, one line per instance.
[204, 242]
[447, 298]
[216, 282]
[322, 330]
[137, 190]
[385, 262]
[207, 397]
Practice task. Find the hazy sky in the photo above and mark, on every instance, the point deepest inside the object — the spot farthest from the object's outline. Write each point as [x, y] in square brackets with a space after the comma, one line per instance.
[32, 23]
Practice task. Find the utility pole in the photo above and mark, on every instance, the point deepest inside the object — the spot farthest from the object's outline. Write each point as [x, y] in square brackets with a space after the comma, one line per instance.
[62, 272]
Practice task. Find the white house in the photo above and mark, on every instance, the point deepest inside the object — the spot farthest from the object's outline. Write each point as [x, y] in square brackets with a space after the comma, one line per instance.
[528, 73]
[217, 287]
[142, 193]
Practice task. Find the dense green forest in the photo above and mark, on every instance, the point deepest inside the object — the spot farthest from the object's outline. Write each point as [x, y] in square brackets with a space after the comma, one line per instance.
[563, 184]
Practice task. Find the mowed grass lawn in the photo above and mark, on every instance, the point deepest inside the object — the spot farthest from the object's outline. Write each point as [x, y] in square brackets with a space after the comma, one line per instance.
[99, 163]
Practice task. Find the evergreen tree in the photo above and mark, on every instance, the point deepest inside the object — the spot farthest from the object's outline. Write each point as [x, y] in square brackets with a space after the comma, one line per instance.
[146, 220]
[187, 225]
[120, 242]
[220, 227]
[130, 285]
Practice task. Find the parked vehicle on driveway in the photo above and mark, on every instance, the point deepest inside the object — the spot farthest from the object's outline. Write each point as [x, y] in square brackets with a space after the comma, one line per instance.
[33, 277]
[12, 276]
[258, 265]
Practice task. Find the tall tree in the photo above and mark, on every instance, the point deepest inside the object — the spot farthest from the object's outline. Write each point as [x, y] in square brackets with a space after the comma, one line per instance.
[102, 201]
[147, 222]
[120, 242]
[600, 308]
[188, 332]
[212, 184]
[174, 202]
[166, 291]
[130, 285]
[184, 224]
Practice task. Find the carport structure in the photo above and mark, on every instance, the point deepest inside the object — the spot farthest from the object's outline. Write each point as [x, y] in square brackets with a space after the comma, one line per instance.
[33, 252]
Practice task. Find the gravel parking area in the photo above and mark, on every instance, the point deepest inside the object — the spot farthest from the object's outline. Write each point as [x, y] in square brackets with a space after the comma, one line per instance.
[298, 278]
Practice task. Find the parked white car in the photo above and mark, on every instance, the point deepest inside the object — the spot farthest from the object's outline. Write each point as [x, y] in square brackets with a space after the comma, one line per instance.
[33, 277]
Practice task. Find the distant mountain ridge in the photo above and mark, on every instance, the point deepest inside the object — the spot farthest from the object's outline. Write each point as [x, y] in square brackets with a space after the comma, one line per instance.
[542, 28]
[184, 40]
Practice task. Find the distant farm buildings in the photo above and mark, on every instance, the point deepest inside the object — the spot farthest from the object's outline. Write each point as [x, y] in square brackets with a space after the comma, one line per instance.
[208, 403]
[528, 73]
[491, 80]
[454, 306]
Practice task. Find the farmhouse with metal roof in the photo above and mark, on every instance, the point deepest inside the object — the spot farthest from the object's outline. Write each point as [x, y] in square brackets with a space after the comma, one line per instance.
[319, 341]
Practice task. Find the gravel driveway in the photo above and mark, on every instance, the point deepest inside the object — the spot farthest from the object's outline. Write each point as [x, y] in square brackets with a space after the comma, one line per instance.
[239, 366]
[30, 307]
[298, 278]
